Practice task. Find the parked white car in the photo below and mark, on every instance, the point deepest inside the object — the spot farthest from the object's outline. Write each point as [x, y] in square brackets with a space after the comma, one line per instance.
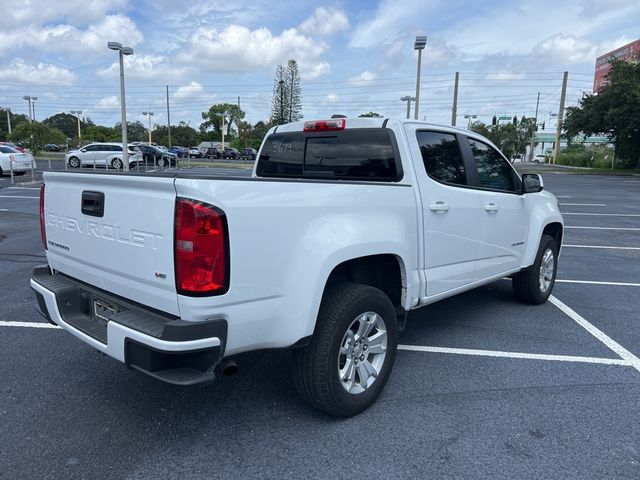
[540, 159]
[12, 159]
[345, 226]
[101, 154]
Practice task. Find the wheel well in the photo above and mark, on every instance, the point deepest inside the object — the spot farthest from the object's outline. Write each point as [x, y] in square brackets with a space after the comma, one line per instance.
[380, 271]
[554, 230]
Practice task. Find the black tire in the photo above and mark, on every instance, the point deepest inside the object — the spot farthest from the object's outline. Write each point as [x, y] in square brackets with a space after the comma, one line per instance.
[18, 174]
[528, 285]
[117, 163]
[74, 162]
[316, 369]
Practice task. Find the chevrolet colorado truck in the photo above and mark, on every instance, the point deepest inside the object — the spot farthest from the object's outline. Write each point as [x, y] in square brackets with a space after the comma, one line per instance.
[344, 226]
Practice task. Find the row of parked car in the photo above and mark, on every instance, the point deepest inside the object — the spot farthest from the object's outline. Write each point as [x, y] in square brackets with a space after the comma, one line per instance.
[228, 153]
[110, 155]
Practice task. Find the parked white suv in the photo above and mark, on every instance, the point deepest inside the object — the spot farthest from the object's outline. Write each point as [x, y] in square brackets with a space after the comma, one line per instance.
[101, 154]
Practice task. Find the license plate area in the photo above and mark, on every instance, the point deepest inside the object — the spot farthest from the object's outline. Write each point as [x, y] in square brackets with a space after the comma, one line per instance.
[103, 310]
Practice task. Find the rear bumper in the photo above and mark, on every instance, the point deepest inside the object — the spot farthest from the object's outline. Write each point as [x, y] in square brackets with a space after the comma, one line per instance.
[165, 347]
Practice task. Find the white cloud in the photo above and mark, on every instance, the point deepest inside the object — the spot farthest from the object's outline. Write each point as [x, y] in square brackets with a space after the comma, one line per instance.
[314, 70]
[39, 74]
[145, 67]
[193, 89]
[69, 39]
[332, 98]
[567, 49]
[108, 102]
[238, 49]
[46, 11]
[504, 76]
[364, 78]
[325, 21]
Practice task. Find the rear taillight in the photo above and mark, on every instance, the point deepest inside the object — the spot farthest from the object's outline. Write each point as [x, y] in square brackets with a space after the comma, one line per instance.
[201, 249]
[43, 231]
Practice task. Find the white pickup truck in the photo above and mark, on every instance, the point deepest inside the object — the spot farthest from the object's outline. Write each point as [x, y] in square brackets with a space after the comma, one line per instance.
[344, 226]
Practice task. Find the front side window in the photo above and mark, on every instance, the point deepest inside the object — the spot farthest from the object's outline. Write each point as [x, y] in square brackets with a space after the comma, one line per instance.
[494, 171]
[442, 157]
[358, 154]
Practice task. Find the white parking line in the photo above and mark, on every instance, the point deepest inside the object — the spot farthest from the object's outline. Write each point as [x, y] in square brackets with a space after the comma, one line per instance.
[604, 228]
[24, 188]
[16, 196]
[583, 204]
[601, 246]
[593, 282]
[603, 214]
[625, 354]
[522, 355]
[27, 324]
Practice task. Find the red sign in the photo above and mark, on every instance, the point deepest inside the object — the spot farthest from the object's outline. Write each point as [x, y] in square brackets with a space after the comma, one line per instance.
[631, 51]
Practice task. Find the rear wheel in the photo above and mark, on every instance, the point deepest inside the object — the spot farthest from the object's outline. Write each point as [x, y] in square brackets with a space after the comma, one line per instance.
[74, 162]
[346, 366]
[535, 284]
[161, 162]
[116, 163]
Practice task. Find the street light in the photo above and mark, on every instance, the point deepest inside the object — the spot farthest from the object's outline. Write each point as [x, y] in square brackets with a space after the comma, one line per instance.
[149, 114]
[470, 116]
[421, 42]
[29, 98]
[125, 144]
[78, 113]
[408, 99]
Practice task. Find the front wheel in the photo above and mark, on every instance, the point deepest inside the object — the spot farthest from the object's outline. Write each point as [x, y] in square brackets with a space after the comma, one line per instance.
[346, 366]
[116, 163]
[535, 284]
[74, 162]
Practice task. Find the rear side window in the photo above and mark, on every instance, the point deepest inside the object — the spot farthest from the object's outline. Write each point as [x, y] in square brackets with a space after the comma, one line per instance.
[358, 154]
[442, 158]
[494, 171]
[4, 149]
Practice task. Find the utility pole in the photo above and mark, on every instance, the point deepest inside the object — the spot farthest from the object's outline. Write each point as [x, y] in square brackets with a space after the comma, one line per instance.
[223, 125]
[563, 96]
[408, 99]
[281, 83]
[77, 113]
[168, 118]
[535, 130]
[149, 114]
[8, 121]
[454, 110]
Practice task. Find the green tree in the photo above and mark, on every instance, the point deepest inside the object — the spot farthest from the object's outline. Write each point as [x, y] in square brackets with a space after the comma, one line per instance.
[16, 119]
[614, 112]
[279, 103]
[183, 135]
[511, 139]
[136, 131]
[100, 133]
[294, 91]
[65, 122]
[213, 120]
[370, 115]
[35, 135]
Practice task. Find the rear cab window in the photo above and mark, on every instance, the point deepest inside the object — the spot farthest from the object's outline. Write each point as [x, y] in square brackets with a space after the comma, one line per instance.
[353, 154]
[442, 157]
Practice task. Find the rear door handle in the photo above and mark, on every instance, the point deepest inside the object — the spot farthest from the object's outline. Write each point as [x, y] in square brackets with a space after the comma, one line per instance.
[491, 208]
[439, 207]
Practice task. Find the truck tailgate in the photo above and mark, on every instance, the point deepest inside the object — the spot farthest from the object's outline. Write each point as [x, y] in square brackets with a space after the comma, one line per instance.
[114, 232]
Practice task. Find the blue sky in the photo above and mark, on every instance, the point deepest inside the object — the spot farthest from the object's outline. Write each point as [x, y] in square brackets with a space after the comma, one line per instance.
[355, 56]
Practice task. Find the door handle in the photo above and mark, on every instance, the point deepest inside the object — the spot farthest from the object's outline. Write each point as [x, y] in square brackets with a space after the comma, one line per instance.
[491, 208]
[439, 207]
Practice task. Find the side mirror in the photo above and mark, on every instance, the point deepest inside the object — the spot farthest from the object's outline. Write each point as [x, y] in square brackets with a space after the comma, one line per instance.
[532, 183]
[83, 150]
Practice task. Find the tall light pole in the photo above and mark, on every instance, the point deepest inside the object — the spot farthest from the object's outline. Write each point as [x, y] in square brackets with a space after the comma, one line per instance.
[281, 82]
[470, 116]
[222, 130]
[77, 113]
[419, 45]
[8, 120]
[149, 114]
[408, 99]
[122, 51]
[29, 98]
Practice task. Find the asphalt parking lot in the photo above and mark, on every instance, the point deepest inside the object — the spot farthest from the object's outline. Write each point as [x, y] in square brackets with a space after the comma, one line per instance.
[483, 387]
